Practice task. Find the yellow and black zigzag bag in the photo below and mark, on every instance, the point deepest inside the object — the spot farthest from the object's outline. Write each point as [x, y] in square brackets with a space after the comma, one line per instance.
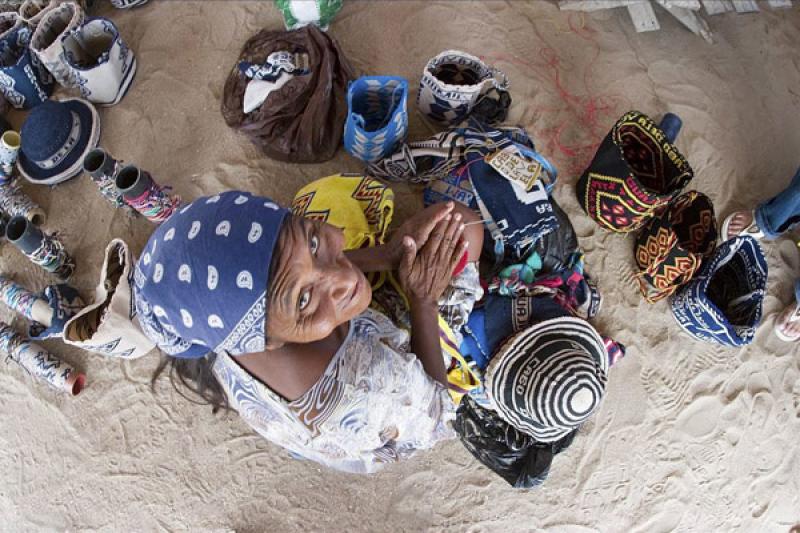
[670, 248]
[635, 173]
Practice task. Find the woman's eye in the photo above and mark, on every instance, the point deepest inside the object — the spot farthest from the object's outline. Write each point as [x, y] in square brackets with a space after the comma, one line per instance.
[314, 244]
[305, 299]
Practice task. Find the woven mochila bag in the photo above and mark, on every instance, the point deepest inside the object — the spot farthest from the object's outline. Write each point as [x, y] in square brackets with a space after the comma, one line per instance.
[377, 116]
[670, 248]
[723, 302]
[455, 85]
[634, 175]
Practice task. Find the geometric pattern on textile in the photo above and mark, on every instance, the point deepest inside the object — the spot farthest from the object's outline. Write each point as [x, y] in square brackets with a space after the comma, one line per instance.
[635, 174]
[452, 84]
[301, 204]
[619, 204]
[670, 249]
[377, 119]
[723, 303]
[441, 110]
[359, 205]
[370, 193]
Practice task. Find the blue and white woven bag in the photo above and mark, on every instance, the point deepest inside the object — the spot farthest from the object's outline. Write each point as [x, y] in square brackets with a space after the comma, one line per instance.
[723, 302]
[454, 83]
[377, 116]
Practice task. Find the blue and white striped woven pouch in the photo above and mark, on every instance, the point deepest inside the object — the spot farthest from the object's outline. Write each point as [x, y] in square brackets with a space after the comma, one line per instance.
[377, 118]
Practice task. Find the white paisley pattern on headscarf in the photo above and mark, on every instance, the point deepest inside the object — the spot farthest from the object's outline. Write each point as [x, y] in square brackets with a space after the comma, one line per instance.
[201, 282]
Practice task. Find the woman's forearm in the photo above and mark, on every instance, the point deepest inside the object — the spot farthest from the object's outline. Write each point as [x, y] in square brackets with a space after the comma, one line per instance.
[372, 259]
[425, 339]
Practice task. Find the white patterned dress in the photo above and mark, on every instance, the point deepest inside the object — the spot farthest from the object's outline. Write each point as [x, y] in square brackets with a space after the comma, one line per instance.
[373, 405]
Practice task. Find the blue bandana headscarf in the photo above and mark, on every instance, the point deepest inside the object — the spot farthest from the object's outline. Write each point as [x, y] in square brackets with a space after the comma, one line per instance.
[201, 282]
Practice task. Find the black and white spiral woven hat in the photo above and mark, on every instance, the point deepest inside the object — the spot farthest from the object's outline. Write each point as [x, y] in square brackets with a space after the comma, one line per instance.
[548, 379]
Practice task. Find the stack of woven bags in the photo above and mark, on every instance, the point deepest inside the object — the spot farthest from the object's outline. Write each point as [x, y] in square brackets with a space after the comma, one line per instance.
[634, 184]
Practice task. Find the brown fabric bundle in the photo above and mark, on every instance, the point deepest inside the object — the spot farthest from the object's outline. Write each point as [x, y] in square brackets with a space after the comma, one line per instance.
[303, 121]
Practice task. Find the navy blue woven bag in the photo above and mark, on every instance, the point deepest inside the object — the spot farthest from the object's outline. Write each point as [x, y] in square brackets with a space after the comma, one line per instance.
[723, 302]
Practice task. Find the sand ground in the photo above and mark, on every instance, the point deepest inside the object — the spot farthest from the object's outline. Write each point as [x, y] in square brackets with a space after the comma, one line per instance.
[691, 437]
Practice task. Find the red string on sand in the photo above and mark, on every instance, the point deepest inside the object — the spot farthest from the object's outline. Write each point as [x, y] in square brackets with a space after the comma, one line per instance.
[590, 112]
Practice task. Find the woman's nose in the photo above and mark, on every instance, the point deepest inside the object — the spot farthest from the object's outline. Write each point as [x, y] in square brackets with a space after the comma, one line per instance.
[340, 282]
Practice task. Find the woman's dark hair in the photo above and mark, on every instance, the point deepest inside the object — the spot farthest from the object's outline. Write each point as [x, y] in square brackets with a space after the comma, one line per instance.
[195, 375]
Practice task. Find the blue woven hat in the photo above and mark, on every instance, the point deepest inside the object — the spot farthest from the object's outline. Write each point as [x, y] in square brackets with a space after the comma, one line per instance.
[722, 303]
[55, 138]
[377, 118]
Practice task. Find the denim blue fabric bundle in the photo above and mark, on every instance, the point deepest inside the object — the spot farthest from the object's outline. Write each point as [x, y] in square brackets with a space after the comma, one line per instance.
[722, 303]
[499, 318]
[377, 116]
[201, 283]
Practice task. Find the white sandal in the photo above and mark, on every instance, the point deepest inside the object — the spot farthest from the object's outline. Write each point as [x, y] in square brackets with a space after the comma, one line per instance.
[793, 317]
[752, 229]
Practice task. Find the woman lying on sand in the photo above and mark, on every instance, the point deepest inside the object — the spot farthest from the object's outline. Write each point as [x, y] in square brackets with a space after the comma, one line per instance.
[269, 311]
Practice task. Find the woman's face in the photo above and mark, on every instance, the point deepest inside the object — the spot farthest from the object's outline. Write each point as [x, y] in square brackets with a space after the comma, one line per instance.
[314, 287]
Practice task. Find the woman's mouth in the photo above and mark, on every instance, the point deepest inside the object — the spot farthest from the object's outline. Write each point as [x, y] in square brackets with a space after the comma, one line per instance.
[356, 290]
[355, 294]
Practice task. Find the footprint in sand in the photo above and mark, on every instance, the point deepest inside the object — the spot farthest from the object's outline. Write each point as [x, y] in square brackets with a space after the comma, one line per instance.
[584, 226]
[699, 419]
[787, 251]
[769, 455]
[760, 411]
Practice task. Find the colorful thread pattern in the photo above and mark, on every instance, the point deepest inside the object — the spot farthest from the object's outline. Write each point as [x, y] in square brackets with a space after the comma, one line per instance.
[17, 297]
[108, 188]
[155, 204]
[670, 248]
[15, 202]
[34, 359]
[635, 174]
[51, 256]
